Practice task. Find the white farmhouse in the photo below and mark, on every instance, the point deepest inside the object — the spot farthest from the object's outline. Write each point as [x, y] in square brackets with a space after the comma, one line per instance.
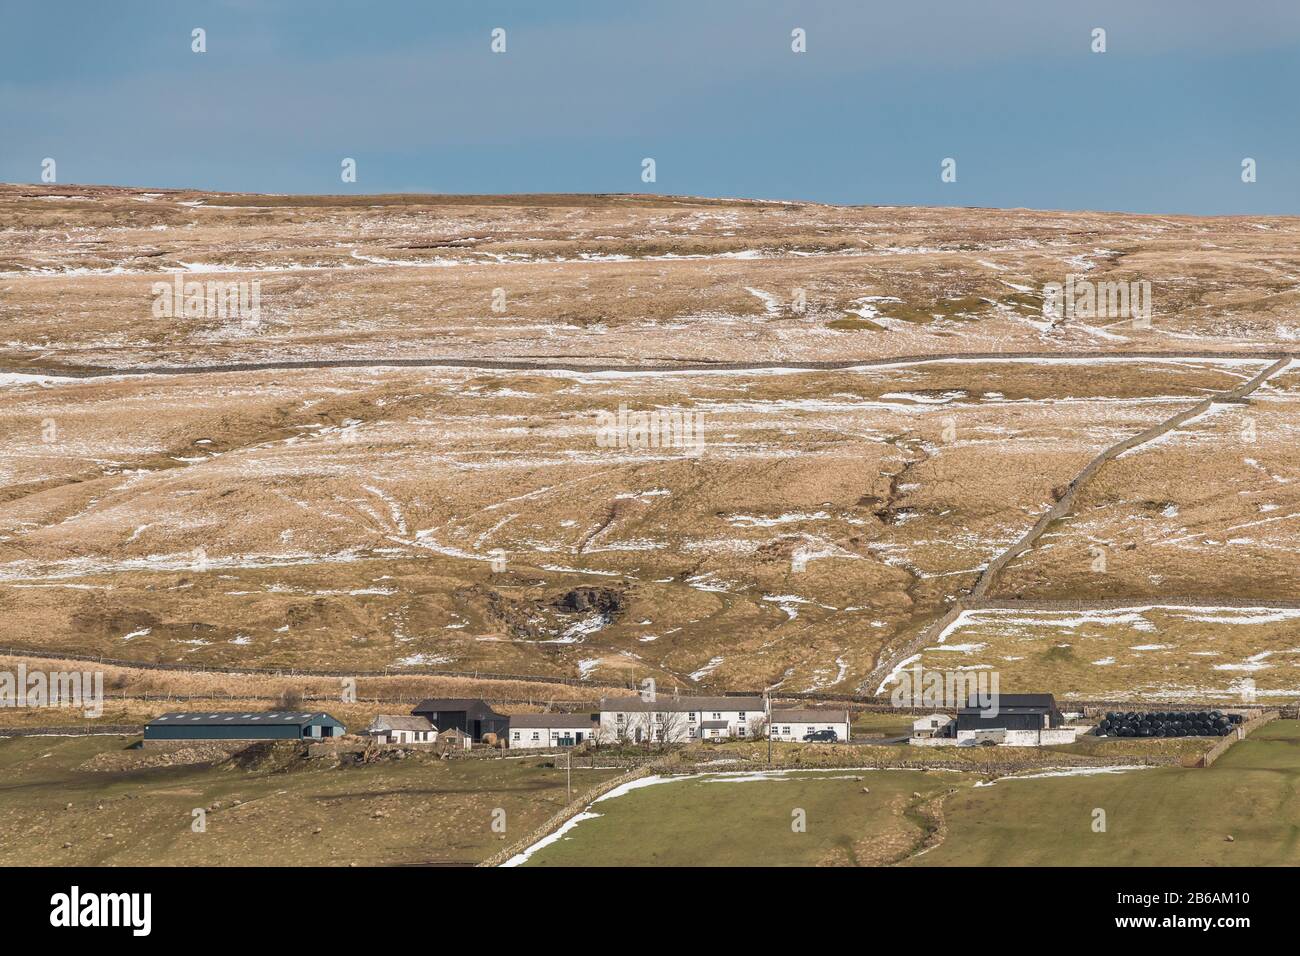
[793, 723]
[680, 719]
[400, 729]
[552, 730]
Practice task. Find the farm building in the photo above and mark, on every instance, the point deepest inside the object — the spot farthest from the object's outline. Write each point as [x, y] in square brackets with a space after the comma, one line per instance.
[794, 723]
[679, 719]
[243, 726]
[393, 729]
[931, 725]
[455, 739]
[1015, 720]
[552, 730]
[473, 717]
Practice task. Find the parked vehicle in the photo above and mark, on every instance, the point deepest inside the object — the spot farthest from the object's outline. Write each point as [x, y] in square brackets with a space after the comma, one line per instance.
[821, 737]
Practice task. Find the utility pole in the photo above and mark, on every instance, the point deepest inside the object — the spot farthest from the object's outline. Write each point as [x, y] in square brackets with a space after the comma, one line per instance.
[767, 713]
[568, 771]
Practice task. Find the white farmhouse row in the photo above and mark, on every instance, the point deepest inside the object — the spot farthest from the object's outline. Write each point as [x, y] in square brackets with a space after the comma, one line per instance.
[680, 719]
[634, 720]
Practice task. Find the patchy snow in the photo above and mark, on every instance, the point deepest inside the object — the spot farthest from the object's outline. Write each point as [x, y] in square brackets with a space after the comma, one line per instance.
[898, 669]
[563, 570]
[23, 378]
[770, 304]
[421, 660]
[1067, 772]
[754, 521]
[706, 582]
[577, 632]
[707, 669]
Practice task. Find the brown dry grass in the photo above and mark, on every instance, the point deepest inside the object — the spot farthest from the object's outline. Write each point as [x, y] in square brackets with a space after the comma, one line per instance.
[587, 278]
[371, 549]
[344, 518]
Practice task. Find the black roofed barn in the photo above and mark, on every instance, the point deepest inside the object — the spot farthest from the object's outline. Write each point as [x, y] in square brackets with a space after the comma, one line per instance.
[473, 717]
[1026, 720]
[1011, 712]
[252, 725]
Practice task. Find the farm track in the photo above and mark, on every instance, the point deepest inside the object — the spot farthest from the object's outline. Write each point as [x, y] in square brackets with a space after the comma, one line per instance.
[1062, 507]
[667, 365]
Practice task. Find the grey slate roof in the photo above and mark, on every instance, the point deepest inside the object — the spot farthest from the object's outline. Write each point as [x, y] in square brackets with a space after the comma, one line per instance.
[680, 705]
[714, 725]
[795, 715]
[556, 721]
[400, 722]
[1015, 704]
[473, 706]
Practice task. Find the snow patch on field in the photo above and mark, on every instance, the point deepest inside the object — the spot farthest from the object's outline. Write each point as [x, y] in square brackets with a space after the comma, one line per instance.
[421, 660]
[707, 669]
[754, 521]
[22, 378]
[1067, 772]
[577, 632]
[770, 305]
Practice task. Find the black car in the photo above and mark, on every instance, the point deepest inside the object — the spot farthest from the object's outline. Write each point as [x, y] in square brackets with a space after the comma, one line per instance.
[821, 737]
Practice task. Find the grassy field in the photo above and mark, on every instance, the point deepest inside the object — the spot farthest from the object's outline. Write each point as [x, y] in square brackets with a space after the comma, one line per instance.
[90, 801]
[717, 820]
[1132, 652]
[1165, 816]
[1087, 751]
[1162, 817]
[868, 723]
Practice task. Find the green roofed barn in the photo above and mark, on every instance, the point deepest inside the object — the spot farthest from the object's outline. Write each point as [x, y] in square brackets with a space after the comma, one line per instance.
[254, 725]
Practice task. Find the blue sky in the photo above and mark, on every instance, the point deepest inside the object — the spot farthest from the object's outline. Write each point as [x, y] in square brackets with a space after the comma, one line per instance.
[711, 90]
